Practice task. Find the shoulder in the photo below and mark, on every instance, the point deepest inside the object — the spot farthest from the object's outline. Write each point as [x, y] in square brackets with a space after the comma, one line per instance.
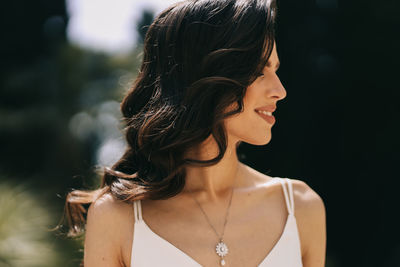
[109, 222]
[310, 216]
[109, 209]
[306, 199]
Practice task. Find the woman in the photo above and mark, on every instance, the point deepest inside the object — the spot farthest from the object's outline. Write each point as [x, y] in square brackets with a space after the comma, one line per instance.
[179, 195]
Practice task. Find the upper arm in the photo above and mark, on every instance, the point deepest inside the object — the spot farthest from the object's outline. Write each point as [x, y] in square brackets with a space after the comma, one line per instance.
[311, 220]
[105, 230]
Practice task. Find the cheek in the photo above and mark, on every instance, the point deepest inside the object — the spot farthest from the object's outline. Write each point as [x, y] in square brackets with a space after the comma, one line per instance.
[254, 95]
[248, 127]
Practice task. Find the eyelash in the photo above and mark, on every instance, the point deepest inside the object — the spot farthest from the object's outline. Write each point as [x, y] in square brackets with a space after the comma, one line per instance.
[262, 74]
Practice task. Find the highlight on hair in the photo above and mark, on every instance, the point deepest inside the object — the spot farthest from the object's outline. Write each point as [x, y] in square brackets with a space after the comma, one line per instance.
[199, 58]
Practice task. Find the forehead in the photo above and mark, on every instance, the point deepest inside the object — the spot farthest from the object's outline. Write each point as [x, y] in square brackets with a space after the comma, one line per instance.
[273, 60]
[274, 54]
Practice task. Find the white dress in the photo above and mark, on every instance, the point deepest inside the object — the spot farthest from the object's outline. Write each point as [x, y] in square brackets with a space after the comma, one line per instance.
[151, 250]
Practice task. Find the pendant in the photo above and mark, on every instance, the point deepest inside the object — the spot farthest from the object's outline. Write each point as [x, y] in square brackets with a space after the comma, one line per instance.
[222, 251]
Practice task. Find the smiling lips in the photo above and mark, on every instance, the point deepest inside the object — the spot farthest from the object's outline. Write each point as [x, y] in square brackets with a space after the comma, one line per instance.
[266, 113]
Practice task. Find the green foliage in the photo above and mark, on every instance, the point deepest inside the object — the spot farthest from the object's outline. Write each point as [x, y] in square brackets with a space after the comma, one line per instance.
[25, 239]
[44, 132]
[59, 105]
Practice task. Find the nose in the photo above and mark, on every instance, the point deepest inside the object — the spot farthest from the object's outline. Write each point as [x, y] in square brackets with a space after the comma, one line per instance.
[278, 91]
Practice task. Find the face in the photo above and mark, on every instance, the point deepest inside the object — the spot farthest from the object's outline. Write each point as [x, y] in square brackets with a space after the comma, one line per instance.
[254, 124]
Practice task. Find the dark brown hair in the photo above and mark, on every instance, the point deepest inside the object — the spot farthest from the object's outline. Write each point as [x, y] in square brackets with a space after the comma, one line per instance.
[199, 58]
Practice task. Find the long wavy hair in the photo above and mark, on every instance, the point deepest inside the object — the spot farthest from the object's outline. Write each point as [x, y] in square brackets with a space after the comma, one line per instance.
[199, 58]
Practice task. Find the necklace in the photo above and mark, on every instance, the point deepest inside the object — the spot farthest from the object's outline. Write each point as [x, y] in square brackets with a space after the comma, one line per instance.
[221, 248]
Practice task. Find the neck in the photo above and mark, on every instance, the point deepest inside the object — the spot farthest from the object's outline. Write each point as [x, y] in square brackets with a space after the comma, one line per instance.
[214, 182]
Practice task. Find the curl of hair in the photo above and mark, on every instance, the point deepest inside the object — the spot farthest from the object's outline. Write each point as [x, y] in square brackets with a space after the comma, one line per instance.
[199, 58]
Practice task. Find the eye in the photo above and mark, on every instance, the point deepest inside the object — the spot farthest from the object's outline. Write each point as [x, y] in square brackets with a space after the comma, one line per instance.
[260, 74]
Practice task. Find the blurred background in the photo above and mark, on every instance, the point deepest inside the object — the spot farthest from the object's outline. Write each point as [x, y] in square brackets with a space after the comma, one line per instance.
[65, 66]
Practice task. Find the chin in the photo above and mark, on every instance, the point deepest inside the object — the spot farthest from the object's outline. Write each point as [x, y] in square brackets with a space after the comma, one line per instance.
[261, 141]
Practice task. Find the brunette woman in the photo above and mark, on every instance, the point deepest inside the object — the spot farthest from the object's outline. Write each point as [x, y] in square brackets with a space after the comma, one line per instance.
[179, 195]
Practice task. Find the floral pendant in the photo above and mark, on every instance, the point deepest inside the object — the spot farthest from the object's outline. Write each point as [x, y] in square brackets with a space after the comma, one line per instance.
[222, 250]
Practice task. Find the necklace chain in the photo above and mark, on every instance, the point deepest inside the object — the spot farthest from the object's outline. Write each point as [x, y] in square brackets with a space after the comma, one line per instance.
[208, 220]
[221, 248]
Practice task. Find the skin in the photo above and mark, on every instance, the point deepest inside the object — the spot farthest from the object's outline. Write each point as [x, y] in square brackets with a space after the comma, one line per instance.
[258, 210]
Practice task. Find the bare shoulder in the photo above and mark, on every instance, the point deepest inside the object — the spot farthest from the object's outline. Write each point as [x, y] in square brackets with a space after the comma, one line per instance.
[108, 223]
[109, 209]
[308, 203]
[311, 221]
[109, 213]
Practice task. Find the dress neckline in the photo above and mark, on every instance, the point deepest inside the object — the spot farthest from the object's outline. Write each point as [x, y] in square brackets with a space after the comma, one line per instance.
[184, 254]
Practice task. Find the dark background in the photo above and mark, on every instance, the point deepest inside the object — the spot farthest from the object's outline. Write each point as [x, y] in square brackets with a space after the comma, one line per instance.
[338, 128]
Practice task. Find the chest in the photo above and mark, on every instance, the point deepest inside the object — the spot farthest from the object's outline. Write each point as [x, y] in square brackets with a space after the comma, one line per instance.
[251, 234]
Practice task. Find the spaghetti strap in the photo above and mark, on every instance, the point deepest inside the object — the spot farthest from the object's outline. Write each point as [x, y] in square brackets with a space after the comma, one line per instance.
[288, 196]
[291, 196]
[137, 210]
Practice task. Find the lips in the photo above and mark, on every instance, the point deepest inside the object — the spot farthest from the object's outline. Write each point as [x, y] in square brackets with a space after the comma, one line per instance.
[270, 108]
[266, 113]
[266, 116]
